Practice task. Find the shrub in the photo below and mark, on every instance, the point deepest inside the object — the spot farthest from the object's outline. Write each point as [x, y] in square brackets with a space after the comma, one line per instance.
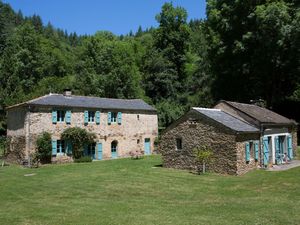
[44, 149]
[136, 154]
[78, 137]
[83, 159]
[203, 156]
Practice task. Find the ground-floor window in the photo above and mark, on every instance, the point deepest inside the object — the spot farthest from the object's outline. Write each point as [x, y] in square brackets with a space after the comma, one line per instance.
[60, 146]
[178, 144]
[91, 149]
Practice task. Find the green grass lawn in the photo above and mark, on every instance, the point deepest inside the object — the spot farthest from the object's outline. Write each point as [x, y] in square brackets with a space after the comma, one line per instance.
[126, 191]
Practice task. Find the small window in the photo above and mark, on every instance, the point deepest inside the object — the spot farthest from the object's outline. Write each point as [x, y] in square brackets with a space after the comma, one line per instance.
[60, 146]
[178, 143]
[138, 117]
[113, 117]
[61, 114]
[114, 145]
[91, 116]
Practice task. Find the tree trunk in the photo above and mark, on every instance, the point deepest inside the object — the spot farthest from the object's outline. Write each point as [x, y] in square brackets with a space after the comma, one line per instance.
[203, 167]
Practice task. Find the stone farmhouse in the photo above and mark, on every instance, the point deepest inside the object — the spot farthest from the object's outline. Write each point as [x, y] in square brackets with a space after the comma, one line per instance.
[242, 137]
[120, 125]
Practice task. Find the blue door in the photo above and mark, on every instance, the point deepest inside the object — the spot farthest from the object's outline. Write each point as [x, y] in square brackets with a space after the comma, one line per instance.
[99, 151]
[147, 147]
[266, 151]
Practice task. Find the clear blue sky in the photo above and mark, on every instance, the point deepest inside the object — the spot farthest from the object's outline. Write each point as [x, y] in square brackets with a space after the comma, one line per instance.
[89, 16]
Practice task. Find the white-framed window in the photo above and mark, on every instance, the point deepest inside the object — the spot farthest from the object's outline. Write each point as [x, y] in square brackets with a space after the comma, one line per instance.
[61, 148]
[61, 115]
[114, 117]
[91, 116]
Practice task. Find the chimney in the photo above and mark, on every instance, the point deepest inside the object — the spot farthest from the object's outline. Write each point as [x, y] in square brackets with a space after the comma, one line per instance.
[67, 92]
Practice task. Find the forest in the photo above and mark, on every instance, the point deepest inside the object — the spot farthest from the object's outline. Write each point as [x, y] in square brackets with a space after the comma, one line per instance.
[244, 50]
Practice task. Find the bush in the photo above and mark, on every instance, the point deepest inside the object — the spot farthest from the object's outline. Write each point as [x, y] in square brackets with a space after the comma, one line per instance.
[136, 154]
[44, 149]
[83, 159]
[78, 137]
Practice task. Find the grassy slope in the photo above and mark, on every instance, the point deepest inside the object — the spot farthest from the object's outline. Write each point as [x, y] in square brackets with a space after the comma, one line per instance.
[129, 191]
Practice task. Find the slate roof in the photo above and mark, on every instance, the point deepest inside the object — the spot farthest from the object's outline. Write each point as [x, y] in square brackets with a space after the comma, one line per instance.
[227, 120]
[89, 102]
[261, 114]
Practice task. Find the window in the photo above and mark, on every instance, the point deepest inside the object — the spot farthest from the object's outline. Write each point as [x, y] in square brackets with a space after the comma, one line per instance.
[91, 116]
[113, 117]
[91, 149]
[138, 117]
[178, 143]
[114, 145]
[61, 114]
[60, 146]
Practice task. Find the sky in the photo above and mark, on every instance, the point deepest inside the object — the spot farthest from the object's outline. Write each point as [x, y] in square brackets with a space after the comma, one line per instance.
[89, 16]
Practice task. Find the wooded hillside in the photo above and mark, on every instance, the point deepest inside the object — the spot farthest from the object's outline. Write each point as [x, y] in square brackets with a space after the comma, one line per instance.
[243, 51]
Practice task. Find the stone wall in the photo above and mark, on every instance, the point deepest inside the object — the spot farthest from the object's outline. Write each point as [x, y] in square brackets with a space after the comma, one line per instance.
[135, 126]
[199, 132]
[295, 141]
[15, 149]
[196, 131]
[243, 166]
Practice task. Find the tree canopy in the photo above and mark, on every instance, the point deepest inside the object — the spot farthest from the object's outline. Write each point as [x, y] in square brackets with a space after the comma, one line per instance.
[242, 51]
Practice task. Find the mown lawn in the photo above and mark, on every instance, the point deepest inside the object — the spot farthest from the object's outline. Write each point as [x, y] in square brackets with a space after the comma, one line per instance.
[126, 191]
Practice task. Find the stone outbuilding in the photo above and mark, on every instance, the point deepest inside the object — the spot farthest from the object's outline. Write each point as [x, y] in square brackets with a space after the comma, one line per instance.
[238, 145]
[121, 126]
[278, 134]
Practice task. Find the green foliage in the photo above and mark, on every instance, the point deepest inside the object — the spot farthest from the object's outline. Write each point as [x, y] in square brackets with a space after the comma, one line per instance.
[203, 155]
[253, 47]
[243, 51]
[44, 148]
[79, 138]
[83, 159]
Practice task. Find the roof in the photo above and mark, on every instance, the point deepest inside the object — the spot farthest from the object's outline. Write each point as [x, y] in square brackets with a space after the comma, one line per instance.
[260, 114]
[227, 120]
[88, 102]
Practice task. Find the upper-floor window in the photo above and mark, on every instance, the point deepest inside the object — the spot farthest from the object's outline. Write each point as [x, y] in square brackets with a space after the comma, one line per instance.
[113, 117]
[61, 114]
[91, 115]
[178, 144]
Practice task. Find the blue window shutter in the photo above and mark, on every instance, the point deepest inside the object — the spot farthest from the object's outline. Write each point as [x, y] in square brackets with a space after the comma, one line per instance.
[97, 117]
[86, 117]
[247, 153]
[266, 150]
[54, 147]
[290, 147]
[277, 149]
[119, 117]
[109, 117]
[54, 116]
[256, 150]
[99, 151]
[68, 116]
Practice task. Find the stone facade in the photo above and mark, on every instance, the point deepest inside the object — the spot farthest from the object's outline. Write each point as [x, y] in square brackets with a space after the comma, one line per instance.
[136, 126]
[196, 131]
